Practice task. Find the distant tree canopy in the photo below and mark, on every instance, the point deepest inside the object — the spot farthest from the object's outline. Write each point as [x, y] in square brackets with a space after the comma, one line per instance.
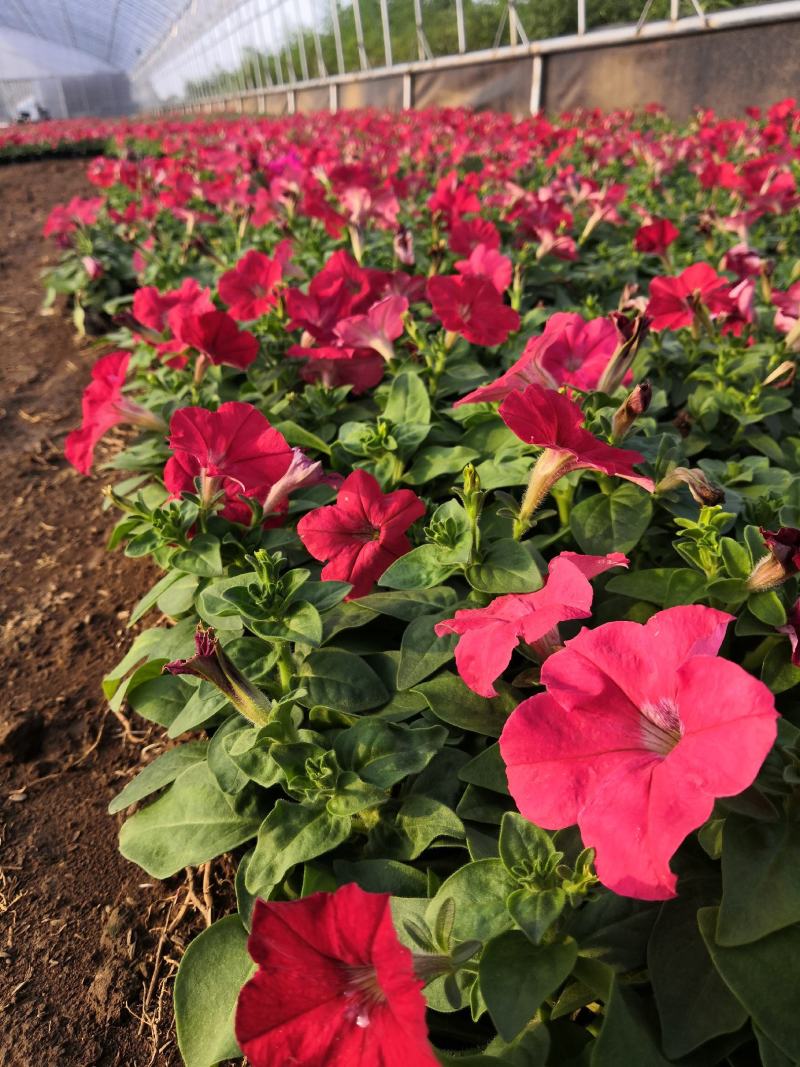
[485, 23]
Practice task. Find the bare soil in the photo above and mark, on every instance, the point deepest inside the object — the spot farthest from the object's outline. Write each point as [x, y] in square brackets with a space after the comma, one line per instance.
[83, 965]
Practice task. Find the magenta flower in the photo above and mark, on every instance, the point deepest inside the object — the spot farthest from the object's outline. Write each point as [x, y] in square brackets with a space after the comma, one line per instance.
[377, 329]
[656, 236]
[215, 335]
[552, 421]
[488, 636]
[233, 450]
[640, 729]
[251, 288]
[570, 351]
[334, 986]
[151, 308]
[363, 533]
[486, 262]
[787, 316]
[104, 406]
[470, 305]
[676, 302]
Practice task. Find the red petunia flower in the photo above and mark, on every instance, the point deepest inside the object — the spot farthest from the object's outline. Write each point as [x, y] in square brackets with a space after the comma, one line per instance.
[334, 986]
[105, 406]
[472, 307]
[335, 365]
[151, 308]
[489, 635]
[363, 533]
[674, 302]
[251, 288]
[656, 237]
[233, 450]
[640, 729]
[787, 316]
[552, 421]
[214, 334]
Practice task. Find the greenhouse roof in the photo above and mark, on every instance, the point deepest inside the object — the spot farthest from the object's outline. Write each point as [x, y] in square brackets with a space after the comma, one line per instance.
[118, 32]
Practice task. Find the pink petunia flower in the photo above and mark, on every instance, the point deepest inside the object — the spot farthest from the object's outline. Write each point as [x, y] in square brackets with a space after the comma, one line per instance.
[640, 729]
[570, 351]
[215, 335]
[486, 262]
[470, 305]
[787, 316]
[377, 329]
[675, 302]
[233, 450]
[488, 636]
[656, 236]
[363, 533]
[251, 288]
[553, 422]
[334, 986]
[104, 406]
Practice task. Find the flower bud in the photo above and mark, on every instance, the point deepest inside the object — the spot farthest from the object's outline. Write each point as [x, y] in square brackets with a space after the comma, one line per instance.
[632, 332]
[404, 247]
[702, 490]
[783, 376]
[632, 407]
[781, 562]
[212, 665]
[301, 471]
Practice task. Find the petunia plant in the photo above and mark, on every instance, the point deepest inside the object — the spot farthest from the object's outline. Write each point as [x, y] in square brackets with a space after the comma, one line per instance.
[468, 451]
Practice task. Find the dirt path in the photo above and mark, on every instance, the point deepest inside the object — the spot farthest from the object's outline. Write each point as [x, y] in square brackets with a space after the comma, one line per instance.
[74, 918]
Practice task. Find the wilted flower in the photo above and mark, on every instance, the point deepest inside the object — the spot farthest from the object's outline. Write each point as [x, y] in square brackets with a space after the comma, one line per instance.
[782, 561]
[703, 491]
[632, 407]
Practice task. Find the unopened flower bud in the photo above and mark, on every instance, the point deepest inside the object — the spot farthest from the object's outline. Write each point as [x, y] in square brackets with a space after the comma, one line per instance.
[212, 665]
[783, 376]
[93, 267]
[632, 332]
[632, 407]
[781, 562]
[301, 471]
[404, 247]
[702, 490]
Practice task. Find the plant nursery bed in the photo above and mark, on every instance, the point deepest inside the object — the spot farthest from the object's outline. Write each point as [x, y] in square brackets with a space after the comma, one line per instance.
[75, 952]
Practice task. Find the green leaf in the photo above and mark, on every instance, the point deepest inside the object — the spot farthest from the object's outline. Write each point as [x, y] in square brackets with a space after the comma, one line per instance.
[191, 823]
[487, 771]
[422, 820]
[150, 598]
[422, 652]
[204, 558]
[516, 977]
[163, 770]
[299, 437]
[777, 670]
[454, 703]
[203, 705]
[763, 976]
[611, 522]
[507, 567]
[408, 401]
[767, 608]
[382, 876]
[437, 460]
[627, 1036]
[292, 834]
[160, 699]
[301, 623]
[212, 971]
[523, 845]
[408, 604]
[383, 753]
[479, 891]
[157, 643]
[760, 885]
[535, 910]
[180, 596]
[341, 680]
[665, 586]
[694, 1004]
[421, 568]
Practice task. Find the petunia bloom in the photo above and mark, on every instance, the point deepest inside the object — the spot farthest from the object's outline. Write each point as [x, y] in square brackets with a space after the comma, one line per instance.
[486, 262]
[656, 236]
[377, 329]
[787, 317]
[105, 406]
[151, 308]
[233, 450]
[552, 421]
[570, 351]
[251, 288]
[677, 302]
[215, 335]
[470, 305]
[363, 533]
[488, 636]
[334, 986]
[640, 729]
